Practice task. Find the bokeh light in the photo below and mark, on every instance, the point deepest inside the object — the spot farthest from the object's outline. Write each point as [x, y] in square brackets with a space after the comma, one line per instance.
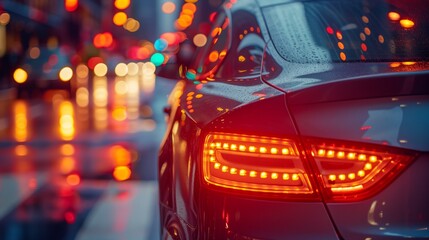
[214, 56]
[71, 5]
[103, 40]
[160, 44]
[100, 70]
[65, 74]
[394, 16]
[34, 52]
[148, 68]
[121, 70]
[133, 69]
[168, 7]
[122, 173]
[73, 179]
[82, 71]
[67, 165]
[120, 155]
[4, 18]
[406, 23]
[121, 87]
[20, 75]
[120, 18]
[66, 120]
[200, 40]
[82, 97]
[92, 62]
[157, 59]
[122, 4]
[132, 25]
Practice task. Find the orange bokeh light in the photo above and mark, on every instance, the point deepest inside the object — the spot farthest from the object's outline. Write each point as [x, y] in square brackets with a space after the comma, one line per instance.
[73, 179]
[214, 56]
[406, 23]
[122, 4]
[394, 16]
[122, 173]
[71, 5]
[120, 18]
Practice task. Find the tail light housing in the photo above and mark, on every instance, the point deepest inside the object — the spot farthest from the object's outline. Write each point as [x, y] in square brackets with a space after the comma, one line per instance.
[259, 164]
[353, 171]
[255, 164]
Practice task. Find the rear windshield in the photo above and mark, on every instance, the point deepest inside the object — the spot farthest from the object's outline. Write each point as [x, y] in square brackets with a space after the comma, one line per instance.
[350, 31]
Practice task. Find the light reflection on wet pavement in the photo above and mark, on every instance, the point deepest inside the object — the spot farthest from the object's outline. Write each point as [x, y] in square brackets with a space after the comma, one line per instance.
[72, 169]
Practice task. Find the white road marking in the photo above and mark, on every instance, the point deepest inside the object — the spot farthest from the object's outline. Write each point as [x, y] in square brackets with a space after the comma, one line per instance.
[126, 211]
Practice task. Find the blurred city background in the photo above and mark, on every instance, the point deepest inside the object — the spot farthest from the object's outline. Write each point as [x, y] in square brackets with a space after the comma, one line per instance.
[81, 112]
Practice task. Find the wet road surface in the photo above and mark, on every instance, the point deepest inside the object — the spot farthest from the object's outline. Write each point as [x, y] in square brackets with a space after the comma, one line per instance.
[82, 167]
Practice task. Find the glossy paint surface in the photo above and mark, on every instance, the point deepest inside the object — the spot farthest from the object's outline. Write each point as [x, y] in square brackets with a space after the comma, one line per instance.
[254, 91]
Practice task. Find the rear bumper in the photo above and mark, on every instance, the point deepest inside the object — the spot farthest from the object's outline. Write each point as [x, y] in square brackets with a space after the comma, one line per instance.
[232, 217]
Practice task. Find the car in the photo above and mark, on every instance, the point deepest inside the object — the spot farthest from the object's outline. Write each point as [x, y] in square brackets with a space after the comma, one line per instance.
[301, 120]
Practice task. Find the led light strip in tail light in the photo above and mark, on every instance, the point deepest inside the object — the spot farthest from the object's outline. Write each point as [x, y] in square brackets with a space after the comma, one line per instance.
[355, 171]
[253, 163]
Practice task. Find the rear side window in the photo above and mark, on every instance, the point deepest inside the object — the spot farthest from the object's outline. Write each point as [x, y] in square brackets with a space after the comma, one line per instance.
[350, 31]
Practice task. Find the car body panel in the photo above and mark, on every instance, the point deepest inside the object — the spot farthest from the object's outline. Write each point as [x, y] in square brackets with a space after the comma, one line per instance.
[271, 97]
[400, 211]
[227, 216]
[391, 121]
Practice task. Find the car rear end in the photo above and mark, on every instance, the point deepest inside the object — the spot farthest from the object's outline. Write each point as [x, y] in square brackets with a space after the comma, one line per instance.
[344, 165]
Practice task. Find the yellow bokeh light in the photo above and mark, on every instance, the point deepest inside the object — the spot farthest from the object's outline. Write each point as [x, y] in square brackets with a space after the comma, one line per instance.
[119, 113]
[406, 23]
[122, 4]
[120, 18]
[66, 120]
[82, 97]
[100, 70]
[133, 68]
[20, 113]
[20, 75]
[121, 70]
[121, 87]
[65, 74]
[148, 68]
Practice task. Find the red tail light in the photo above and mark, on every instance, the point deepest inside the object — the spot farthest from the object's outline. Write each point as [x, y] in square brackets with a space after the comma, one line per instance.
[257, 164]
[355, 171]
[275, 165]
